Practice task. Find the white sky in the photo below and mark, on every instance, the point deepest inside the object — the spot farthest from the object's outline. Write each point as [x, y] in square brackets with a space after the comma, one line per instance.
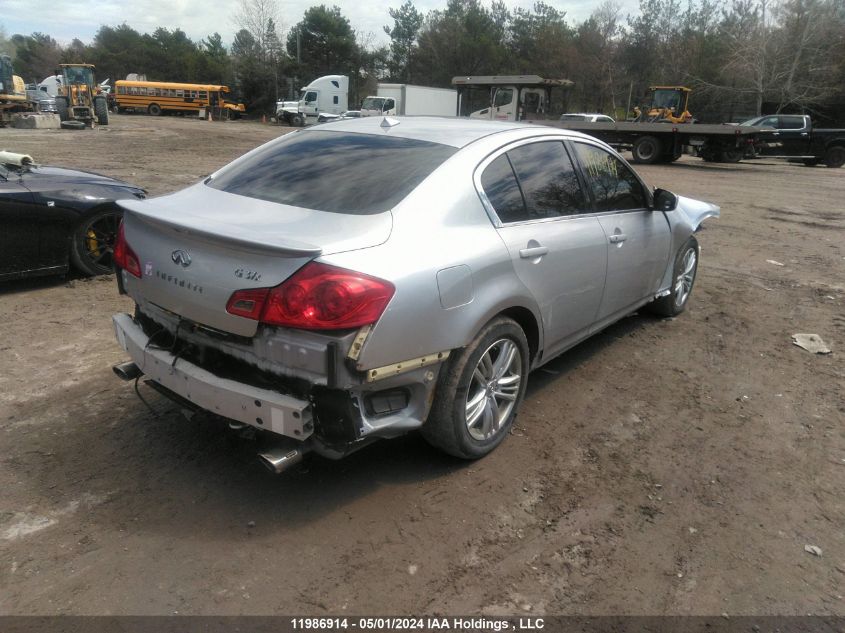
[66, 19]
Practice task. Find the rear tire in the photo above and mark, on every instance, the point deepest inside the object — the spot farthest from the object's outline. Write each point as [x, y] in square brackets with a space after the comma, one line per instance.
[479, 391]
[647, 150]
[101, 109]
[683, 279]
[835, 156]
[92, 243]
[154, 109]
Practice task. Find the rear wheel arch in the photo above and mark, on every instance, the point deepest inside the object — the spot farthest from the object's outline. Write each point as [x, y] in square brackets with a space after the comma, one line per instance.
[79, 239]
[835, 154]
[528, 322]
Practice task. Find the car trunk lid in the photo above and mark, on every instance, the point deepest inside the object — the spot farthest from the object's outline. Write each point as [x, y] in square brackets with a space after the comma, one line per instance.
[198, 246]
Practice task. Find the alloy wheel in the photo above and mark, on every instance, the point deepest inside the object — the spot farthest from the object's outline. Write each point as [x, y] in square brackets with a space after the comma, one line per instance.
[685, 279]
[493, 389]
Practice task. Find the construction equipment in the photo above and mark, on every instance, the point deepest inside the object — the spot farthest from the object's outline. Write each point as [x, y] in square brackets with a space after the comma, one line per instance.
[80, 98]
[12, 92]
[668, 104]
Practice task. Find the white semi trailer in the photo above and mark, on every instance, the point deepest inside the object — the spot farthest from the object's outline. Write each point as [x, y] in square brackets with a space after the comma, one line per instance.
[405, 99]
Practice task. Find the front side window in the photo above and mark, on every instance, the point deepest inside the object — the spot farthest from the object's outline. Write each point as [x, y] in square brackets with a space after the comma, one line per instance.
[548, 180]
[366, 173]
[310, 97]
[614, 186]
[389, 104]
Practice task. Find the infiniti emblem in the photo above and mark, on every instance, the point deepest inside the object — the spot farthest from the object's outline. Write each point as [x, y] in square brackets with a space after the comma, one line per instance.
[181, 257]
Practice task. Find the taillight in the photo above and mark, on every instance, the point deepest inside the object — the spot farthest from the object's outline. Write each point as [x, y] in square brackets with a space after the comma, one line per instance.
[124, 256]
[317, 297]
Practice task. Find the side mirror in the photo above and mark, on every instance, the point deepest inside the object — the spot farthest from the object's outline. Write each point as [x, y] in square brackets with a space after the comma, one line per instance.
[664, 200]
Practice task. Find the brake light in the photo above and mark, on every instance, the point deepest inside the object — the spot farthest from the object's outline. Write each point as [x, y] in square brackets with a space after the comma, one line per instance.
[317, 297]
[124, 256]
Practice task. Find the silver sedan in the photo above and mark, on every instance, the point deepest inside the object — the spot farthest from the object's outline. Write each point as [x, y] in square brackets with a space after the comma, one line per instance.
[377, 276]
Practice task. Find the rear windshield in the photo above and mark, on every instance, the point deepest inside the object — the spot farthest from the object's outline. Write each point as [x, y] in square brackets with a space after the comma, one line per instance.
[335, 171]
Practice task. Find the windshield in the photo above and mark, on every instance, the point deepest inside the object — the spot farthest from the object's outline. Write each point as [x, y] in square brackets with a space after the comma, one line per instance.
[79, 75]
[334, 171]
[372, 103]
[666, 99]
[753, 121]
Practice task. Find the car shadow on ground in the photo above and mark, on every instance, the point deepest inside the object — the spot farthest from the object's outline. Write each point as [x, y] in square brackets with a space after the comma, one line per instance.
[180, 476]
[28, 284]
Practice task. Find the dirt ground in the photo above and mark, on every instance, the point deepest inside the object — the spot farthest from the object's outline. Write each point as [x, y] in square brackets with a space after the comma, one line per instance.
[663, 467]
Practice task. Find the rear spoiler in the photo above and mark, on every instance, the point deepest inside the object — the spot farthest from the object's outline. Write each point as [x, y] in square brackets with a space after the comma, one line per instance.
[221, 233]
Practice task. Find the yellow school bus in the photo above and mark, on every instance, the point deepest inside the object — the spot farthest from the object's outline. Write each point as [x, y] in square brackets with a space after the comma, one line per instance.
[156, 97]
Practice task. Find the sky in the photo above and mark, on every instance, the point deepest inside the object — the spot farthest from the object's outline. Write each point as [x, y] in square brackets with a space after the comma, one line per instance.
[68, 19]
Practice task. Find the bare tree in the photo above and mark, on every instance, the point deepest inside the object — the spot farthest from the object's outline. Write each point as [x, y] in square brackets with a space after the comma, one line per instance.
[254, 16]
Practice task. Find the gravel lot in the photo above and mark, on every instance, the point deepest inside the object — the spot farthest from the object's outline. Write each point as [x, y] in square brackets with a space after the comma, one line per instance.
[673, 466]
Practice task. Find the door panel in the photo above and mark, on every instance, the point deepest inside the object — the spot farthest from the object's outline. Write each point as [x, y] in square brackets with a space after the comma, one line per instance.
[568, 280]
[770, 143]
[557, 252]
[638, 252]
[794, 136]
[638, 239]
[19, 250]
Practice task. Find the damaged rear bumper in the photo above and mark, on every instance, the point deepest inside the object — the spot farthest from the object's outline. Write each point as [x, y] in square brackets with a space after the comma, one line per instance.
[261, 408]
[323, 399]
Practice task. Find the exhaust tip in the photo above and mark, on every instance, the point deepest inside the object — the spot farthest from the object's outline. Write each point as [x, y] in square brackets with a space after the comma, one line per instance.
[279, 460]
[127, 371]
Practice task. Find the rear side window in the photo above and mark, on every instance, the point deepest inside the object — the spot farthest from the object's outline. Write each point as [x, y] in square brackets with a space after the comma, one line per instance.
[334, 171]
[791, 122]
[502, 190]
[547, 179]
[615, 187]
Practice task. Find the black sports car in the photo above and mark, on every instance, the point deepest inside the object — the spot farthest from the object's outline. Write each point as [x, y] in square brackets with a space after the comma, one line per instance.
[52, 217]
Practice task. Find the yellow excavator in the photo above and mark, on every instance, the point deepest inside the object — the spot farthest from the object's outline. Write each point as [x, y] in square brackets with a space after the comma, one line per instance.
[80, 98]
[12, 92]
[668, 104]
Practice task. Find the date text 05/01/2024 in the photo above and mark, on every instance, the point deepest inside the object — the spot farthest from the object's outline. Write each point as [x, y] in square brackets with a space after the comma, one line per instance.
[468, 624]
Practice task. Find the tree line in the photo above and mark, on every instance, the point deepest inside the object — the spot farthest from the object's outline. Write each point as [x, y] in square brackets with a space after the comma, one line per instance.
[741, 57]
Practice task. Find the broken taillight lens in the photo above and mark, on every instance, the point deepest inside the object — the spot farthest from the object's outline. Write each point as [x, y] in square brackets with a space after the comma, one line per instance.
[247, 303]
[124, 256]
[317, 297]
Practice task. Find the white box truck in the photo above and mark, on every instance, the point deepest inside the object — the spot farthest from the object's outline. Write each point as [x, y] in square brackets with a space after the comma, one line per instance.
[328, 94]
[405, 99]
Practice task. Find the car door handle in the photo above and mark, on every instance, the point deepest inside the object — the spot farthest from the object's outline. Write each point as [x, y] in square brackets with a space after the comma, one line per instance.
[534, 251]
[617, 238]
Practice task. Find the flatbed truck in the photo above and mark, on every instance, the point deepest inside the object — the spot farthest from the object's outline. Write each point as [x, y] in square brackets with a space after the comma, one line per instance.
[664, 142]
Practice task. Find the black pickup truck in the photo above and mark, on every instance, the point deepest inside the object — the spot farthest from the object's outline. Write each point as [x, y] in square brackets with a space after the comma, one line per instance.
[793, 136]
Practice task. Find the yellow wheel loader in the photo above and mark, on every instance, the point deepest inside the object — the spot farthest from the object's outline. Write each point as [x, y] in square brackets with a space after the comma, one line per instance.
[80, 98]
[668, 104]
